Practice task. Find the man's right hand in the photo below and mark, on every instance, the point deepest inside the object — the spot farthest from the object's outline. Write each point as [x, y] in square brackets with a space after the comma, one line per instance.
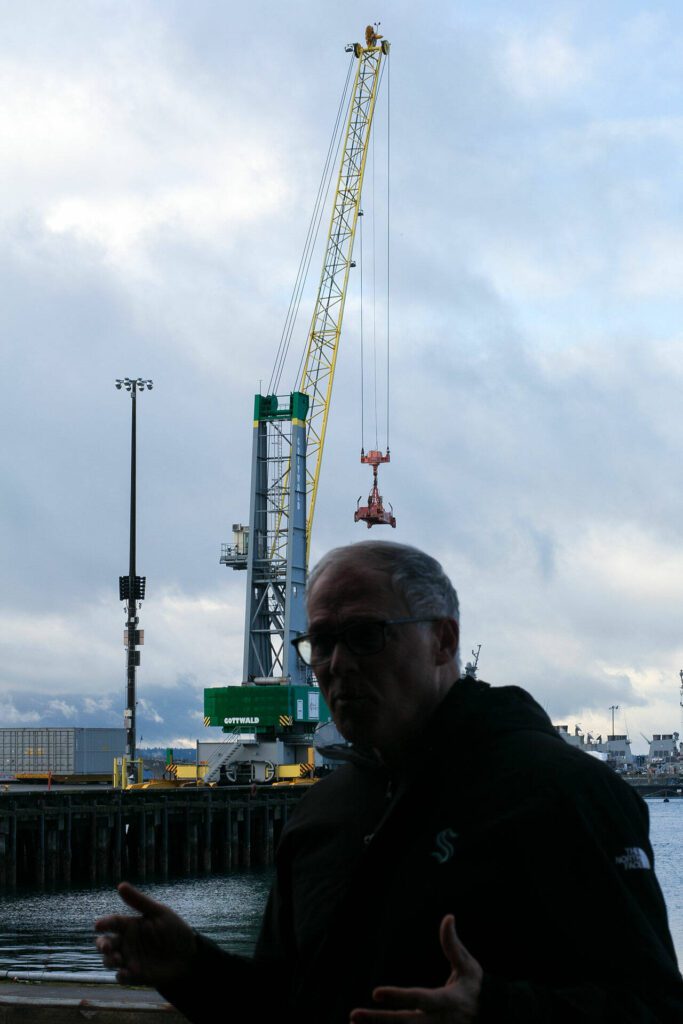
[154, 947]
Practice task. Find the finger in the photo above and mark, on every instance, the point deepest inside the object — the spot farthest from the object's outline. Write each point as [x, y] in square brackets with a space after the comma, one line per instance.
[113, 923]
[137, 900]
[124, 976]
[111, 957]
[106, 945]
[457, 955]
[411, 998]
[396, 1016]
[113, 962]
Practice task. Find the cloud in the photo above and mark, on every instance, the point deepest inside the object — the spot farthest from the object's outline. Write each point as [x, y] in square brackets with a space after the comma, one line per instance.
[180, 743]
[60, 707]
[651, 265]
[10, 714]
[93, 706]
[146, 711]
[544, 66]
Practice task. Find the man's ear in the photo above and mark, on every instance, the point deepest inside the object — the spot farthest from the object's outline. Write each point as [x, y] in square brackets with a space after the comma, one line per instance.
[447, 634]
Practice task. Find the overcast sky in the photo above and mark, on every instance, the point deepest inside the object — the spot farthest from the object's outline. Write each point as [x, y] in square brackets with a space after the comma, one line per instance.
[159, 165]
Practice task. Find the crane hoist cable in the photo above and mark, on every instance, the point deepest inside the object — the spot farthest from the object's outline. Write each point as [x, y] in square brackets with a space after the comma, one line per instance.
[388, 235]
[311, 239]
[362, 340]
[385, 67]
[375, 513]
[331, 161]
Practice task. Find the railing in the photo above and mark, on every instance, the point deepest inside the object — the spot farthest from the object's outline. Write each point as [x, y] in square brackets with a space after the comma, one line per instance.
[225, 755]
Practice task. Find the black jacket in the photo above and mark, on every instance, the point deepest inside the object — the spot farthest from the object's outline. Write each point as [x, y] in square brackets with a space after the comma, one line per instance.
[540, 852]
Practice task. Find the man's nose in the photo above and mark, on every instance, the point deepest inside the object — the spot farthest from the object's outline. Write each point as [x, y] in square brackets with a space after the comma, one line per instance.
[340, 657]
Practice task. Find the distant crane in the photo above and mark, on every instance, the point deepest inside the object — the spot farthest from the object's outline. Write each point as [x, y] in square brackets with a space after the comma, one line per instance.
[278, 695]
[471, 666]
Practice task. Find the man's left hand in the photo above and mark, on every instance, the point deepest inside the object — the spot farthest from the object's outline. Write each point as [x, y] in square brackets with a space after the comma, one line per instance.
[456, 1003]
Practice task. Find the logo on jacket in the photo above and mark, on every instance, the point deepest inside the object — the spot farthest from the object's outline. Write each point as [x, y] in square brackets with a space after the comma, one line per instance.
[634, 859]
[444, 845]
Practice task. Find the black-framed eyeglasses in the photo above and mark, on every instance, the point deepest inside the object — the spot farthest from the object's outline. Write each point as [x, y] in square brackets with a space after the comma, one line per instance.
[360, 638]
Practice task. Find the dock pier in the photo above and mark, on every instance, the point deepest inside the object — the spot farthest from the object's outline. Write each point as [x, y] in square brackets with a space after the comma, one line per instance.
[99, 836]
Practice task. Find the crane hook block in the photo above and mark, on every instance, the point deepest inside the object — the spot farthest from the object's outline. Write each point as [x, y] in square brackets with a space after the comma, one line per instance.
[374, 513]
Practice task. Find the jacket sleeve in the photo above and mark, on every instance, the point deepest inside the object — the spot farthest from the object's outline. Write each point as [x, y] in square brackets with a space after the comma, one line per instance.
[245, 984]
[196, 994]
[518, 1001]
[615, 957]
[257, 986]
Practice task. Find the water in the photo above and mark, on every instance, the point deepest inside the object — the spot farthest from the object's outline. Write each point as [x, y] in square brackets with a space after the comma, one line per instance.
[666, 829]
[53, 930]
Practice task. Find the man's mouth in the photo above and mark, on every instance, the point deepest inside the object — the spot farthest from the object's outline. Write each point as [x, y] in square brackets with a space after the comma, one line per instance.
[348, 698]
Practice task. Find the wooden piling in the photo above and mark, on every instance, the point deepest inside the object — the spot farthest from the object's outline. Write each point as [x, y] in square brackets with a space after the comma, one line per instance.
[141, 846]
[193, 845]
[270, 835]
[12, 867]
[246, 858]
[51, 863]
[206, 852]
[92, 847]
[65, 850]
[164, 842]
[104, 829]
[150, 844]
[237, 822]
[227, 840]
[117, 846]
[40, 851]
[187, 857]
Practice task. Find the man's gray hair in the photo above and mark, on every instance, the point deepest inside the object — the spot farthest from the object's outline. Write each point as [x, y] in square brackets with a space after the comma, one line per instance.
[415, 575]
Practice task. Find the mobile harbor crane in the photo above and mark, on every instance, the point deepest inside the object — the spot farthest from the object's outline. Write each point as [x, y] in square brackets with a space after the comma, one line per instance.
[278, 703]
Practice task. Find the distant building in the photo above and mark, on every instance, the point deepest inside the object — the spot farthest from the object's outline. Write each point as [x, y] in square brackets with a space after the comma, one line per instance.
[663, 747]
[616, 748]
[575, 740]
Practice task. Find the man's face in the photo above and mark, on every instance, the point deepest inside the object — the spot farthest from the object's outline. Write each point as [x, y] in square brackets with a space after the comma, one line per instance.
[377, 700]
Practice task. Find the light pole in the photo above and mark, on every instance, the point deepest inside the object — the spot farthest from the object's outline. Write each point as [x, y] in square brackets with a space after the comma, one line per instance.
[132, 587]
[613, 708]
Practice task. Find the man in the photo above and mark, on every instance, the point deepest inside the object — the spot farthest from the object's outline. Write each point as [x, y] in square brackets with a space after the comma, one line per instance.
[461, 808]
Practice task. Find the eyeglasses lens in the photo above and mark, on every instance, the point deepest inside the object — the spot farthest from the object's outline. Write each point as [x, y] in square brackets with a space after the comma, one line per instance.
[365, 638]
[316, 648]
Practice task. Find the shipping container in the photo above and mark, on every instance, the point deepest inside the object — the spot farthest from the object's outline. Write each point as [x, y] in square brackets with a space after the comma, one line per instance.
[70, 751]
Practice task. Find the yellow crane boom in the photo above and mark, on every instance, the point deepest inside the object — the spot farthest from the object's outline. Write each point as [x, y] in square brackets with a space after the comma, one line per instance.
[323, 339]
